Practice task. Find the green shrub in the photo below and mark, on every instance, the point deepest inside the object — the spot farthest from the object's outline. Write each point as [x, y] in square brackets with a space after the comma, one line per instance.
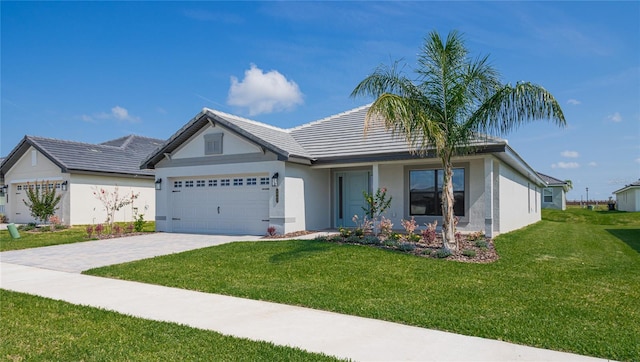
[138, 225]
[469, 253]
[370, 240]
[443, 253]
[482, 244]
[406, 246]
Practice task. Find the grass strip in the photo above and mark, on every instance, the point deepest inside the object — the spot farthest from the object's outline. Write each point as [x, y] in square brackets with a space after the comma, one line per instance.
[40, 329]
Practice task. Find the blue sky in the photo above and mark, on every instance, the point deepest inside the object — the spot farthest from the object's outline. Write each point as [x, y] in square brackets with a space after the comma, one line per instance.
[94, 71]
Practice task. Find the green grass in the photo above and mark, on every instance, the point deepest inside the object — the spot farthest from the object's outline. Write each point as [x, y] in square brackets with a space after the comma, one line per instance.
[39, 329]
[570, 282]
[35, 239]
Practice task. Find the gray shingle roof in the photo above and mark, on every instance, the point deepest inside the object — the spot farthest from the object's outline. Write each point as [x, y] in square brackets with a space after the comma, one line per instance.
[551, 181]
[119, 156]
[336, 138]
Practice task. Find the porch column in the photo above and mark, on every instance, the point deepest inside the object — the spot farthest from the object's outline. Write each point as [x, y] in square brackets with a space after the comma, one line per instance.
[488, 196]
[375, 178]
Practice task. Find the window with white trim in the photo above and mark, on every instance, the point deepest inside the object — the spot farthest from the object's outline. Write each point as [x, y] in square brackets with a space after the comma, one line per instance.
[200, 183]
[237, 182]
[177, 184]
[251, 181]
[264, 181]
[225, 182]
[213, 183]
[188, 183]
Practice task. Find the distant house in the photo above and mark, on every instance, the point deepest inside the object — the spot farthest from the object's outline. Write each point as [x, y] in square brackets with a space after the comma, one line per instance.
[554, 194]
[76, 170]
[628, 197]
[221, 173]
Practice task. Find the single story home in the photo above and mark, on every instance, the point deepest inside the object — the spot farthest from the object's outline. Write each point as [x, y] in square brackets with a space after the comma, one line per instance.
[221, 173]
[554, 194]
[76, 170]
[628, 197]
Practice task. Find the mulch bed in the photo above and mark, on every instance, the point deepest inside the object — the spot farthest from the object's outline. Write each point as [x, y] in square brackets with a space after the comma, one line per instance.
[289, 235]
[475, 254]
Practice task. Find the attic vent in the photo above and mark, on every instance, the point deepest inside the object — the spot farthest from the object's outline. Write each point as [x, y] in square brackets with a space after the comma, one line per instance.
[213, 144]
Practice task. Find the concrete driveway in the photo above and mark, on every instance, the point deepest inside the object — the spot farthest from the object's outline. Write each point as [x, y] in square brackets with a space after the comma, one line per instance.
[77, 257]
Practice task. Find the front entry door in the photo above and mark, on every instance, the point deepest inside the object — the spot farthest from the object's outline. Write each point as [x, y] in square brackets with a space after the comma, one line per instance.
[349, 198]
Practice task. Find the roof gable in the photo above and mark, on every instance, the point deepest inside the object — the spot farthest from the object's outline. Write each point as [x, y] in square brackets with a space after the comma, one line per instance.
[633, 185]
[552, 181]
[119, 156]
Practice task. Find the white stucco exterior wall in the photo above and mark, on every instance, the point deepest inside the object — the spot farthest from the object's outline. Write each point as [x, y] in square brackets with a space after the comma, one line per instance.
[519, 200]
[628, 200]
[85, 208]
[307, 198]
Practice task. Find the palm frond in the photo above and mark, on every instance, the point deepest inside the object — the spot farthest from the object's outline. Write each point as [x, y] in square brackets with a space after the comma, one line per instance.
[510, 107]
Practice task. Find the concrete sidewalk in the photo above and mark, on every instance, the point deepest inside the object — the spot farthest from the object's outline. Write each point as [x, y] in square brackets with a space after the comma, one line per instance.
[334, 334]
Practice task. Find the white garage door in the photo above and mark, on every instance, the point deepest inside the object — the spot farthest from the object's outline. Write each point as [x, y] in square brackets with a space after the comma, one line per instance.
[220, 205]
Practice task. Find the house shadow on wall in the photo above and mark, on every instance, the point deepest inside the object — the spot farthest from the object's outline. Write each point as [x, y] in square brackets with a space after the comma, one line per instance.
[630, 237]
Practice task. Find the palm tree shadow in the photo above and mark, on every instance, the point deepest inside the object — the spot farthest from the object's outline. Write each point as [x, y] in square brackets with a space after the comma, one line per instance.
[303, 250]
[630, 237]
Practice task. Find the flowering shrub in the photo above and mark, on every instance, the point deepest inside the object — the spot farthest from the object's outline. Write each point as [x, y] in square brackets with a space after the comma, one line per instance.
[409, 225]
[54, 221]
[429, 234]
[362, 227]
[116, 229]
[271, 231]
[89, 231]
[130, 228]
[98, 229]
[385, 226]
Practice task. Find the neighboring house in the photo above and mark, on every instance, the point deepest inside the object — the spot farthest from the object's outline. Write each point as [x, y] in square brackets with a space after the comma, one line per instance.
[76, 170]
[628, 197]
[224, 174]
[554, 194]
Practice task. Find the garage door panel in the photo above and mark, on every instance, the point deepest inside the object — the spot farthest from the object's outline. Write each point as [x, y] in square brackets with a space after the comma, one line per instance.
[220, 209]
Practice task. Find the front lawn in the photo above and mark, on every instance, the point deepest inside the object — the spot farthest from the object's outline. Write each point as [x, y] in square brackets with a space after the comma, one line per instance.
[39, 329]
[570, 282]
[35, 239]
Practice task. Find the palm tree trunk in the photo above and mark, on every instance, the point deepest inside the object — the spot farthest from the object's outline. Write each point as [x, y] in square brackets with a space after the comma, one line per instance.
[448, 223]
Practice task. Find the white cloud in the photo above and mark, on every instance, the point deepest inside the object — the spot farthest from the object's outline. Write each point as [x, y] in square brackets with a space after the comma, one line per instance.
[573, 102]
[118, 113]
[565, 165]
[616, 117]
[264, 92]
[593, 164]
[569, 154]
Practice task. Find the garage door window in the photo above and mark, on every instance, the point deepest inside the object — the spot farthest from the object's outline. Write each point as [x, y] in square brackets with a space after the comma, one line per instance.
[237, 182]
[213, 183]
[177, 184]
[264, 181]
[200, 183]
[225, 182]
[188, 183]
[251, 181]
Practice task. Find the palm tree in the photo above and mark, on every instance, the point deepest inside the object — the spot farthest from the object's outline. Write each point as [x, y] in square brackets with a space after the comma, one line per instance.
[453, 101]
